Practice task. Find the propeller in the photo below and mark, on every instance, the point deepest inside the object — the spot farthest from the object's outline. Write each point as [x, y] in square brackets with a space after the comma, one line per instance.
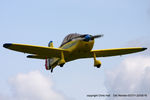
[88, 37]
[97, 36]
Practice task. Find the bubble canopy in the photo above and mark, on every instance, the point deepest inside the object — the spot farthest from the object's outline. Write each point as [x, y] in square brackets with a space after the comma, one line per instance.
[70, 37]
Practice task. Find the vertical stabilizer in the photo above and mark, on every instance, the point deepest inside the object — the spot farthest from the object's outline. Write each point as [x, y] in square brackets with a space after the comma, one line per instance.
[48, 60]
[47, 64]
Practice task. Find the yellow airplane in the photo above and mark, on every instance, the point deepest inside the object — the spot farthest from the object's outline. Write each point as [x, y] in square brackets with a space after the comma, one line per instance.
[74, 46]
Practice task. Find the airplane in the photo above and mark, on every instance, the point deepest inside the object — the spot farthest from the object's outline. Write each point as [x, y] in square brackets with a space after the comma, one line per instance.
[74, 46]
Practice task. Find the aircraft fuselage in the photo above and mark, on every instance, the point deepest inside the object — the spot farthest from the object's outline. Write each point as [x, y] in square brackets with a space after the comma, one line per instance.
[77, 48]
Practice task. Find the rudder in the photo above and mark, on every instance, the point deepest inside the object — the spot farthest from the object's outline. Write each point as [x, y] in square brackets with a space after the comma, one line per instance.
[48, 60]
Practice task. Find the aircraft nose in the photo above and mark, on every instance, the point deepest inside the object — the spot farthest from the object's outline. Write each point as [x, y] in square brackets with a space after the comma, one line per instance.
[87, 37]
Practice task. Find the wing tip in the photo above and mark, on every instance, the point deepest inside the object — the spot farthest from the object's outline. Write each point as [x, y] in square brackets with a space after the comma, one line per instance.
[29, 56]
[7, 45]
[144, 48]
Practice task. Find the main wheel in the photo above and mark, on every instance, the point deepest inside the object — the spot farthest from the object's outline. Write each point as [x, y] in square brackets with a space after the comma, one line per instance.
[61, 65]
[98, 66]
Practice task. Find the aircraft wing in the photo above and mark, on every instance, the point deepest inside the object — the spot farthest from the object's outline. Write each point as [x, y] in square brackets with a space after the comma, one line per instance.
[39, 51]
[116, 51]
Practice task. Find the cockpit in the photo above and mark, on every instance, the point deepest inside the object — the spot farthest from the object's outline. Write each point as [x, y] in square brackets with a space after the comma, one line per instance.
[70, 37]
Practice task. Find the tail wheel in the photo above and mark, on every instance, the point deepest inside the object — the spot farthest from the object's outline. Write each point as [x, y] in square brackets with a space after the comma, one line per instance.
[51, 70]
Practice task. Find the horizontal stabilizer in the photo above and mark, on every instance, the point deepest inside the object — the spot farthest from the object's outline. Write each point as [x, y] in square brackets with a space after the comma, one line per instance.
[36, 56]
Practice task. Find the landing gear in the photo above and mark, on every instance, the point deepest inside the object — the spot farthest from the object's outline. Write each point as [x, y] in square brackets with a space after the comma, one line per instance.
[50, 67]
[98, 66]
[97, 63]
[51, 70]
[61, 65]
[62, 60]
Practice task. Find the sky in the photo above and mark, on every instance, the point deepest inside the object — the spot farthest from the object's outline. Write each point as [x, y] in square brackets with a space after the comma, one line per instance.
[124, 23]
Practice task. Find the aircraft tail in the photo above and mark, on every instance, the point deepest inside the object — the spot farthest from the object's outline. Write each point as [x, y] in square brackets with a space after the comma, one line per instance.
[48, 60]
[47, 64]
[50, 44]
